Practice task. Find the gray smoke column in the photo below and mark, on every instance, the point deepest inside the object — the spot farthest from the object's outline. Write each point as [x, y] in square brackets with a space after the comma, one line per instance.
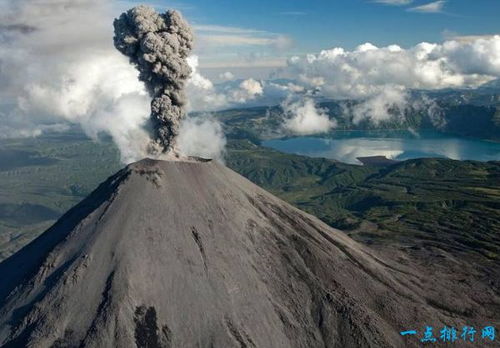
[158, 45]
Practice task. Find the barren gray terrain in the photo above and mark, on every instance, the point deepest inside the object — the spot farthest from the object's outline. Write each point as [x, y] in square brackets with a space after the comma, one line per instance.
[191, 254]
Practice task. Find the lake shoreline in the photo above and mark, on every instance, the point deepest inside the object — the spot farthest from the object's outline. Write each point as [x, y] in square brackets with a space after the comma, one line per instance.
[396, 144]
[331, 133]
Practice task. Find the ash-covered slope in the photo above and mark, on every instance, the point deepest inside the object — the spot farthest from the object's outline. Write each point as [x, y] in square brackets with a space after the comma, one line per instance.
[191, 254]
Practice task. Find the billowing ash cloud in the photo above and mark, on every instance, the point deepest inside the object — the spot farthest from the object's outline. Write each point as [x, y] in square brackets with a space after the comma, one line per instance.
[58, 66]
[158, 45]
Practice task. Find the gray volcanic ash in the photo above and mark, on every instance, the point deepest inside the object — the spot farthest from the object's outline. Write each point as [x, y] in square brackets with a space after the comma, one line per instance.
[191, 254]
[158, 45]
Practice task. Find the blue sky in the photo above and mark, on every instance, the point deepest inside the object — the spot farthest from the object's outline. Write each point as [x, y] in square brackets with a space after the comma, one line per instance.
[316, 24]
[271, 30]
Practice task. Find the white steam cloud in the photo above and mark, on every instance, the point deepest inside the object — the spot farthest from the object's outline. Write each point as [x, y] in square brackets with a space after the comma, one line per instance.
[61, 66]
[303, 117]
[202, 136]
[58, 66]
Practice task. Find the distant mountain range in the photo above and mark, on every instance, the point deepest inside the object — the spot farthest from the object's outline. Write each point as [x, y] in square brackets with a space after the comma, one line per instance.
[467, 112]
[275, 90]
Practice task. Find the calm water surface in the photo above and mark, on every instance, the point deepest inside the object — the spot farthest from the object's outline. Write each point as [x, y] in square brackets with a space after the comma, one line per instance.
[345, 146]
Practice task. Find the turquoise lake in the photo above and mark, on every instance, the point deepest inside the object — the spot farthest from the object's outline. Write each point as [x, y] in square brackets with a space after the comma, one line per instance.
[346, 146]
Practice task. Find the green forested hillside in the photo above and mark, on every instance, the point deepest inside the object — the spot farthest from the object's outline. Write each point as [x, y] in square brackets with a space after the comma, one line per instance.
[439, 202]
[41, 178]
[418, 203]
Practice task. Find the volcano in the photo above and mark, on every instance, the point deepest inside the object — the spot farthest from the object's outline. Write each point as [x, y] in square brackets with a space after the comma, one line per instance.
[191, 254]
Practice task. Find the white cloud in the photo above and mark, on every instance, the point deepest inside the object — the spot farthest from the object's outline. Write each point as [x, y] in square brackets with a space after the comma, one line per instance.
[392, 104]
[63, 67]
[432, 7]
[236, 40]
[467, 38]
[473, 57]
[201, 92]
[376, 108]
[217, 36]
[225, 47]
[226, 76]
[203, 95]
[368, 70]
[303, 117]
[395, 2]
[202, 136]
[381, 76]
[378, 77]
[249, 89]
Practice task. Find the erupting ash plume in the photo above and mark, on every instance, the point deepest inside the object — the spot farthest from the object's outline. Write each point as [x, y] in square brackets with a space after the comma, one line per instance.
[158, 45]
